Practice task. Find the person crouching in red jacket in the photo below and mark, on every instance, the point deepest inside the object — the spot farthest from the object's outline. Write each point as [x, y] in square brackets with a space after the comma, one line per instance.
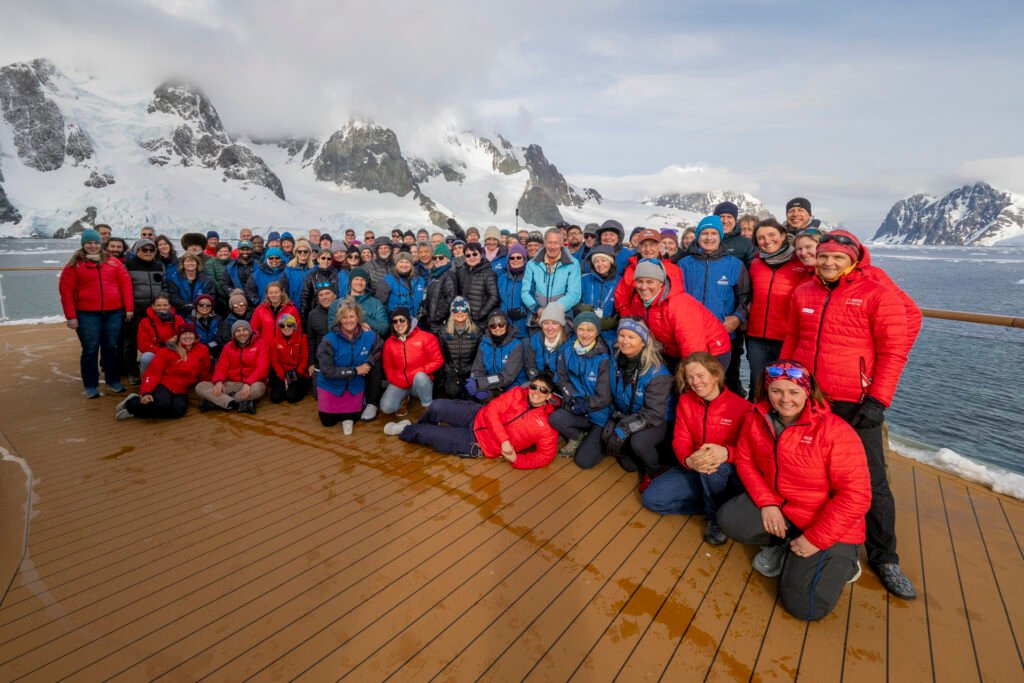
[808, 489]
[513, 426]
[240, 378]
[178, 365]
[289, 361]
[411, 357]
[708, 422]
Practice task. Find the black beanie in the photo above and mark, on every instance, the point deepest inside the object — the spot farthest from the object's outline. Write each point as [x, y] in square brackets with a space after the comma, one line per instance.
[798, 203]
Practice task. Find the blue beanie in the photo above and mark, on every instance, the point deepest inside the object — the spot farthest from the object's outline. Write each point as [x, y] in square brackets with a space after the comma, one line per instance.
[274, 235]
[90, 235]
[287, 236]
[212, 233]
[727, 207]
[710, 222]
[637, 327]
[274, 252]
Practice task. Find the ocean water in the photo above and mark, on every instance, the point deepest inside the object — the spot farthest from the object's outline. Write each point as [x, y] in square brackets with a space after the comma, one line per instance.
[962, 393]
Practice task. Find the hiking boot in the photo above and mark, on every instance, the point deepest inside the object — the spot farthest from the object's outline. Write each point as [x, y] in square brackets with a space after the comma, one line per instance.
[769, 561]
[246, 407]
[569, 448]
[395, 428]
[124, 404]
[206, 405]
[403, 408]
[713, 535]
[123, 414]
[116, 388]
[857, 575]
[369, 414]
[347, 426]
[92, 392]
[895, 581]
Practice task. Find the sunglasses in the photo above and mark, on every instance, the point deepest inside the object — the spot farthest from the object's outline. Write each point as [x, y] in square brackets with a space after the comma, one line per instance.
[285, 326]
[352, 256]
[400, 319]
[774, 371]
[498, 326]
[147, 250]
[273, 258]
[302, 251]
[204, 304]
[541, 388]
[515, 258]
[460, 309]
[440, 258]
[472, 254]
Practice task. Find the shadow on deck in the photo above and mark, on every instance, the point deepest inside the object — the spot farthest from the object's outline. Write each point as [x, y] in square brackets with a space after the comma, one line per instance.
[231, 546]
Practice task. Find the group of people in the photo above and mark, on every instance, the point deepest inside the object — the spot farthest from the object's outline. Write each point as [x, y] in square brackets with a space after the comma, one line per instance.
[578, 342]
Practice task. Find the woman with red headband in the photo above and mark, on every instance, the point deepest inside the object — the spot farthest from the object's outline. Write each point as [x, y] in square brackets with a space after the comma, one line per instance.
[808, 489]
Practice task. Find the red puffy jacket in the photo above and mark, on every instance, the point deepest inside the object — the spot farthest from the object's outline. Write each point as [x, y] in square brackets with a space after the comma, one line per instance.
[95, 286]
[769, 309]
[246, 365]
[264, 320]
[699, 422]
[174, 373]
[154, 332]
[681, 323]
[914, 317]
[816, 472]
[289, 353]
[418, 352]
[509, 417]
[624, 290]
[852, 336]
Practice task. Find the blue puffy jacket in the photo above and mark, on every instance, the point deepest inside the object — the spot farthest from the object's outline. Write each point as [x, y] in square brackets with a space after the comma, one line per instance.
[510, 291]
[719, 281]
[262, 275]
[649, 394]
[598, 294]
[562, 284]
[337, 358]
[398, 291]
[183, 293]
[538, 358]
[208, 331]
[500, 366]
[293, 279]
[587, 375]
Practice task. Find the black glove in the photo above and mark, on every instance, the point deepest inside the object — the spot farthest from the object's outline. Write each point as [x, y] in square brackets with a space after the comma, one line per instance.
[584, 307]
[609, 323]
[516, 313]
[291, 376]
[870, 414]
[578, 406]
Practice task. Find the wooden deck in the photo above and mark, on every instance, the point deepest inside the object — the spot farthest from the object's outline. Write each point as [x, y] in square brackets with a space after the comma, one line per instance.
[226, 546]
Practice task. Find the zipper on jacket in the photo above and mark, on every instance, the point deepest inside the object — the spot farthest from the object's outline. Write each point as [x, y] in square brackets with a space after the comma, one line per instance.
[704, 293]
[821, 326]
[768, 302]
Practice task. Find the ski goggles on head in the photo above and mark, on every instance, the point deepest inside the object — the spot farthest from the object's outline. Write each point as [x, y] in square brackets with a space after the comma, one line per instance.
[788, 370]
[813, 232]
[460, 309]
[776, 371]
[838, 239]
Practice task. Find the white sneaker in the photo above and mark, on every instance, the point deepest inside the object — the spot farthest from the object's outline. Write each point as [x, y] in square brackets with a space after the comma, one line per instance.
[857, 575]
[346, 427]
[123, 404]
[369, 413]
[123, 414]
[395, 428]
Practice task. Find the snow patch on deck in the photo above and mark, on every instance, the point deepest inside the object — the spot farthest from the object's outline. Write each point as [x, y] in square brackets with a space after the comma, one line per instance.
[947, 460]
[45, 320]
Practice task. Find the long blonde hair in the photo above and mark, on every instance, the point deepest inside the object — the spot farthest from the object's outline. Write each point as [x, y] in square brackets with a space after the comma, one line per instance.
[295, 259]
[471, 326]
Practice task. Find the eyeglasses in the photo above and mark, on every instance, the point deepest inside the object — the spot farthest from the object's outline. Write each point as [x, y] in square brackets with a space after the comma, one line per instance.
[440, 258]
[399, 319]
[515, 258]
[204, 304]
[352, 256]
[541, 388]
[285, 326]
[775, 371]
[302, 251]
[147, 250]
[497, 326]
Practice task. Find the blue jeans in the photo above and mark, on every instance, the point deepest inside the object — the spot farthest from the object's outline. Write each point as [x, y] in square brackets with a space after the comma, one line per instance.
[685, 492]
[98, 332]
[422, 387]
[761, 352]
[454, 436]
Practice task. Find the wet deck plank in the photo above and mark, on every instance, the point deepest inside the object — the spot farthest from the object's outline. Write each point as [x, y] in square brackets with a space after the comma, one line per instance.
[226, 546]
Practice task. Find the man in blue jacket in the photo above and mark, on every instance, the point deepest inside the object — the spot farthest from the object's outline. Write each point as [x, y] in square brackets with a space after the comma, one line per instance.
[552, 275]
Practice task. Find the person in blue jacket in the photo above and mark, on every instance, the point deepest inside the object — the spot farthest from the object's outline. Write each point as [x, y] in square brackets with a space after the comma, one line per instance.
[188, 281]
[611, 234]
[584, 382]
[499, 363]
[270, 270]
[240, 268]
[552, 275]
[598, 292]
[510, 289]
[298, 267]
[207, 324]
[346, 383]
[721, 283]
[540, 354]
[402, 287]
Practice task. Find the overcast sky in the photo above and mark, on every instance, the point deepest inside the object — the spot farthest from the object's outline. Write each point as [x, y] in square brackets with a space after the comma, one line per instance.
[852, 105]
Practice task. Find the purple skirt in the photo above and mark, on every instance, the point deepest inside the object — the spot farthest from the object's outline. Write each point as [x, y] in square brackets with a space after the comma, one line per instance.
[346, 403]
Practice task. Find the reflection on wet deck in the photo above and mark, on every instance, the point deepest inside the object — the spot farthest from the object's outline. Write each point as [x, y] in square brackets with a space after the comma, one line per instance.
[230, 546]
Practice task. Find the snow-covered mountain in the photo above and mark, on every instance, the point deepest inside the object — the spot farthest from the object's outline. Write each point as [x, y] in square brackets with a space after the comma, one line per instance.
[977, 214]
[73, 154]
[703, 203]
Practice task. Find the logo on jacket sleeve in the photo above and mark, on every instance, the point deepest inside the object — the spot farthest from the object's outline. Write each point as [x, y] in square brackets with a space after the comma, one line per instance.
[807, 310]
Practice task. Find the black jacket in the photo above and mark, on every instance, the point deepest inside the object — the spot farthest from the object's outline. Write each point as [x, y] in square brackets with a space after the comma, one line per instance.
[148, 281]
[479, 285]
[459, 351]
[434, 308]
[311, 285]
[316, 329]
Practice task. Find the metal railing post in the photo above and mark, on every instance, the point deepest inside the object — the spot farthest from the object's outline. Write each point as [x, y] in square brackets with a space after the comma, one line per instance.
[3, 308]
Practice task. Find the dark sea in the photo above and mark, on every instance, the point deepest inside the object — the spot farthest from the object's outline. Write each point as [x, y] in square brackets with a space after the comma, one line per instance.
[961, 393]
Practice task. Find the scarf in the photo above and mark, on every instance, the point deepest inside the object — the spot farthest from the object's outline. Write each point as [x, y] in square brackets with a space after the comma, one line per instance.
[583, 350]
[778, 258]
[440, 270]
[95, 258]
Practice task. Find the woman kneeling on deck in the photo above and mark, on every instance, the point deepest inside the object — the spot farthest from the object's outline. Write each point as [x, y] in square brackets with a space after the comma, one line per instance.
[513, 426]
[708, 422]
[808, 490]
[177, 366]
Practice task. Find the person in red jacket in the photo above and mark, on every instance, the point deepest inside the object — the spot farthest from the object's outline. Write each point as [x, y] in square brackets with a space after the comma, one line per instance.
[240, 378]
[808, 489]
[513, 426]
[178, 365]
[96, 295]
[708, 421]
[649, 248]
[676, 319]
[275, 303]
[158, 325]
[774, 273]
[289, 361]
[854, 333]
[411, 358]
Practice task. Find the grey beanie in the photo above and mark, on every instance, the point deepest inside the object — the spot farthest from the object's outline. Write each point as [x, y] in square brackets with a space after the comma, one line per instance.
[240, 323]
[651, 269]
[554, 311]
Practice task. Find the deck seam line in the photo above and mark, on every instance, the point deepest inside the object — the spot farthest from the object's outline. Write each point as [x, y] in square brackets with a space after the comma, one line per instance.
[924, 573]
[959, 579]
[728, 625]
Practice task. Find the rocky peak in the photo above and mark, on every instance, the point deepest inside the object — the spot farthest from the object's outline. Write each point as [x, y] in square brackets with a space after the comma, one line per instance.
[506, 161]
[188, 103]
[35, 119]
[423, 170]
[366, 156]
[8, 214]
[972, 214]
[705, 202]
[78, 146]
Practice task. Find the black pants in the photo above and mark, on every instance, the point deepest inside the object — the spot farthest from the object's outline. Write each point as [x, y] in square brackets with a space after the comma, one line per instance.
[130, 347]
[374, 385]
[761, 352]
[446, 427]
[732, 371]
[294, 393]
[642, 451]
[331, 419]
[809, 587]
[881, 520]
[165, 404]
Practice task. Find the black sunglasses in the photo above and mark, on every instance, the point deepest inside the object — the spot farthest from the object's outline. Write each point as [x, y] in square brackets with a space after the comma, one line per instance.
[204, 304]
[841, 239]
[541, 388]
[440, 258]
[302, 251]
[147, 250]
[399, 319]
[497, 326]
